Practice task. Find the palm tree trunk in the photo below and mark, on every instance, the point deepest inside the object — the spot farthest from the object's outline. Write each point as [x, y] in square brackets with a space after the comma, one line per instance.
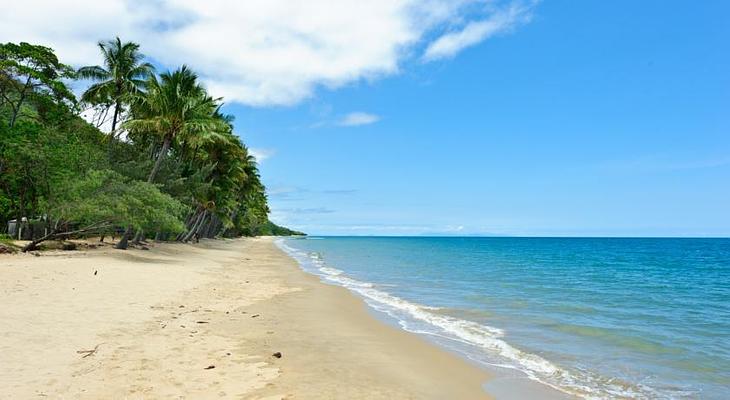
[190, 217]
[196, 226]
[212, 228]
[209, 227]
[199, 230]
[113, 133]
[165, 147]
[138, 237]
[189, 222]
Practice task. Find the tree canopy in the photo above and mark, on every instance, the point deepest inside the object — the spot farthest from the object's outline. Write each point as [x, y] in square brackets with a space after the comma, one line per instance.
[171, 166]
[116, 84]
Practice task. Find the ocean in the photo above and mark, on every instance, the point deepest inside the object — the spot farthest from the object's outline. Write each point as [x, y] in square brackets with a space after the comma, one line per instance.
[593, 317]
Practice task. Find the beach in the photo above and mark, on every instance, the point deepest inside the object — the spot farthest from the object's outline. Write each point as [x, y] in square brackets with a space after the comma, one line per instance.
[219, 319]
[438, 199]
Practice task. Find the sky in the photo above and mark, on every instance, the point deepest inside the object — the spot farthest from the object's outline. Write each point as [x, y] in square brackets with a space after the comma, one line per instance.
[461, 117]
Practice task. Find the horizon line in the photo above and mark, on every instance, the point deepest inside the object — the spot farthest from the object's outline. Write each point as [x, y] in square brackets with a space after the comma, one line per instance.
[522, 237]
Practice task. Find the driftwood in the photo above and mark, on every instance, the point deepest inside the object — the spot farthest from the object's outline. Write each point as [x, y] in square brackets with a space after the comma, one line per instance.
[88, 353]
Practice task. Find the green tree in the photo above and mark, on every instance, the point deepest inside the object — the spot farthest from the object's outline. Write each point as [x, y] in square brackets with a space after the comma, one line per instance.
[46, 147]
[123, 76]
[104, 199]
[182, 170]
[175, 106]
[27, 70]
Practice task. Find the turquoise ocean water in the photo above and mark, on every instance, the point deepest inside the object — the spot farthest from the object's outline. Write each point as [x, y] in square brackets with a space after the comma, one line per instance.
[598, 318]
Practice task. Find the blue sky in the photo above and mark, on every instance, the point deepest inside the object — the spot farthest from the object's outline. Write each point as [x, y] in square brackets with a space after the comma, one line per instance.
[595, 118]
[427, 117]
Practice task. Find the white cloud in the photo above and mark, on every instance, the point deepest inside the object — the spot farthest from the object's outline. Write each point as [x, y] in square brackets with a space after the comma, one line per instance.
[259, 52]
[358, 118]
[261, 154]
[474, 32]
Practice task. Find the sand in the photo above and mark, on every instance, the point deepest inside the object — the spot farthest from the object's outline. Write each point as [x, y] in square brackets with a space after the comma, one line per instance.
[203, 322]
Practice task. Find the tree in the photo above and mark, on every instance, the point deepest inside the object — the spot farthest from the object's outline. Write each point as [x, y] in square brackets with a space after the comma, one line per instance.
[175, 106]
[27, 70]
[182, 170]
[123, 76]
[46, 147]
[104, 199]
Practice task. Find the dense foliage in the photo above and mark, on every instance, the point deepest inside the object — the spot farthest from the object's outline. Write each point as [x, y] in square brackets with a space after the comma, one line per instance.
[169, 167]
[271, 229]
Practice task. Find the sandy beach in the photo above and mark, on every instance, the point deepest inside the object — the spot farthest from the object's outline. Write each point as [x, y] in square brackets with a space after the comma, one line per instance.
[204, 321]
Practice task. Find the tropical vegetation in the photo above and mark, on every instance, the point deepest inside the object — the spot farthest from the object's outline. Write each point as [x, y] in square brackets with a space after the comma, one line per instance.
[137, 154]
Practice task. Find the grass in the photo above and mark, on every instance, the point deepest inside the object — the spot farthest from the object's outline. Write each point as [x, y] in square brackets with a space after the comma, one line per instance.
[7, 241]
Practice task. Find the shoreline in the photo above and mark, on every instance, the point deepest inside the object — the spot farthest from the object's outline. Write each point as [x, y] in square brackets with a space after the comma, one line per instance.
[503, 382]
[204, 321]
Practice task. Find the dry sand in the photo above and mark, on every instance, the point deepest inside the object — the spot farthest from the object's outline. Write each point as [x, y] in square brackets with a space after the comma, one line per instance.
[198, 322]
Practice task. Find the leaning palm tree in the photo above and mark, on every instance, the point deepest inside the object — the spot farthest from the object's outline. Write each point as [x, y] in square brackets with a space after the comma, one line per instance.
[123, 75]
[174, 107]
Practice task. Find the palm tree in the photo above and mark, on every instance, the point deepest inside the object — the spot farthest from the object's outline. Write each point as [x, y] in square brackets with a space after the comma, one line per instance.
[174, 107]
[123, 75]
[230, 179]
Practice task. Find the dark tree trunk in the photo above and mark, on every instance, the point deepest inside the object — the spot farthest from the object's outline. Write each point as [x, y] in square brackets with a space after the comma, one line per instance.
[203, 229]
[16, 109]
[113, 133]
[163, 152]
[209, 227]
[211, 230]
[115, 117]
[14, 116]
[33, 245]
[124, 240]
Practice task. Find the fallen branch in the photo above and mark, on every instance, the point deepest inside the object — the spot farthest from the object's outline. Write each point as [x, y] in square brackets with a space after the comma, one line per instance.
[56, 234]
[88, 353]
